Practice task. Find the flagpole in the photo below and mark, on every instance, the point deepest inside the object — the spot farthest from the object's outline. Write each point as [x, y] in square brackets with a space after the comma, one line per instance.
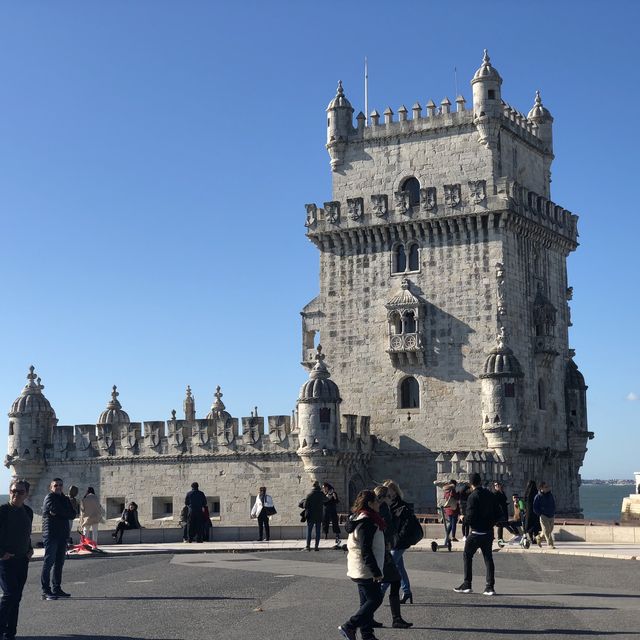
[366, 91]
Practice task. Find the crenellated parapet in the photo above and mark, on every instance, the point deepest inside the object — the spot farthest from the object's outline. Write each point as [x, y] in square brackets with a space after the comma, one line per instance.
[441, 209]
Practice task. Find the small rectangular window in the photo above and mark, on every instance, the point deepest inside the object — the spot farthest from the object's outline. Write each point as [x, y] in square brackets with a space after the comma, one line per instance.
[509, 390]
[214, 507]
[161, 507]
[492, 94]
[11, 428]
[115, 507]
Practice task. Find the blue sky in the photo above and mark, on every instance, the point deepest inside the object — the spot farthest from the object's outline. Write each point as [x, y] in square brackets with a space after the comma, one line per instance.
[155, 158]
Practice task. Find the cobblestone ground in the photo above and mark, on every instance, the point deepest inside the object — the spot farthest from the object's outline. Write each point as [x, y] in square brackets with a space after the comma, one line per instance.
[291, 595]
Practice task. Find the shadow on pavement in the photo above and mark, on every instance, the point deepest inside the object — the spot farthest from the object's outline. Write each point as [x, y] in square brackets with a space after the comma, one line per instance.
[129, 598]
[501, 605]
[578, 633]
[82, 637]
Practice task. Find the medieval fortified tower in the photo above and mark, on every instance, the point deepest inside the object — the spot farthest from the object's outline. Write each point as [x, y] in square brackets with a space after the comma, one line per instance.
[443, 313]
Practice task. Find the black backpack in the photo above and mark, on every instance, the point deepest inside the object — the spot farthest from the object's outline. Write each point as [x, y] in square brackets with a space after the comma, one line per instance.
[410, 530]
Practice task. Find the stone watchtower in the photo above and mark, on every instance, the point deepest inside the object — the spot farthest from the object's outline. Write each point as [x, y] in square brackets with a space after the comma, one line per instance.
[443, 292]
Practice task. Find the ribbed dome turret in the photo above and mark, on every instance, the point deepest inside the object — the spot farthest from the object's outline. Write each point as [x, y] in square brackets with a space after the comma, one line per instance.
[573, 378]
[340, 100]
[486, 71]
[114, 414]
[319, 388]
[404, 297]
[539, 113]
[217, 408]
[32, 400]
[501, 363]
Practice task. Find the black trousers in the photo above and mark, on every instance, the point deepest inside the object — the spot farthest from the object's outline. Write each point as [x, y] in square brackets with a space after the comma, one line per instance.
[195, 526]
[370, 599]
[485, 544]
[13, 575]
[263, 526]
[121, 527]
[330, 518]
[55, 551]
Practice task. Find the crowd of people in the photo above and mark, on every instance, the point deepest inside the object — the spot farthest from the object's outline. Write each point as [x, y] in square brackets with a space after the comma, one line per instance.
[380, 528]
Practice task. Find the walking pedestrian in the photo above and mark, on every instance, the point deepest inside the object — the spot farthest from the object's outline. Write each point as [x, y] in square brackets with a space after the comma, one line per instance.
[390, 572]
[196, 501]
[262, 508]
[15, 552]
[544, 506]
[401, 512]
[91, 514]
[481, 516]
[365, 560]
[463, 494]
[128, 520]
[330, 515]
[57, 512]
[450, 507]
[531, 519]
[313, 506]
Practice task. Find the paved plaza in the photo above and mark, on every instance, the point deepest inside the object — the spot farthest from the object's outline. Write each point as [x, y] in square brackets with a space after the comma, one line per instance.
[292, 594]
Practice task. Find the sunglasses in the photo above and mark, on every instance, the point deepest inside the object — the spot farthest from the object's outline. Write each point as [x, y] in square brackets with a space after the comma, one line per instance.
[18, 491]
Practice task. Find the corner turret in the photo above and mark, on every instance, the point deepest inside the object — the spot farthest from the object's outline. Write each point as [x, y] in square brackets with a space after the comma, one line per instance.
[31, 424]
[114, 414]
[486, 83]
[339, 126]
[541, 116]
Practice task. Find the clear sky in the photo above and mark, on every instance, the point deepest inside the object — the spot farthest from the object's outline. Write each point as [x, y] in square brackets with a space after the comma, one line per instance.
[155, 157]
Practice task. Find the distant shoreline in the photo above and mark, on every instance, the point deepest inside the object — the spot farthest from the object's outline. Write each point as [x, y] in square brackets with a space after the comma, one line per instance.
[612, 482]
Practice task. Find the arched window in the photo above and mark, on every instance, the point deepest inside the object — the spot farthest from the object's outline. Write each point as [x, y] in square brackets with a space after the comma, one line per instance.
[410, 323]
[399, 259]
[414, 263]
[413, 187]
[409, 394]
[542, 400]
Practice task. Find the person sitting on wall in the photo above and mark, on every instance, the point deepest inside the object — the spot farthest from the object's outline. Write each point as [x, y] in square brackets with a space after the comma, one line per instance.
[128, 520]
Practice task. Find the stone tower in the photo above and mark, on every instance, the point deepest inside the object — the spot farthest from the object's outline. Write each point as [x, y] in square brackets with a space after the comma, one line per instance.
[443, 292]
[31, 424]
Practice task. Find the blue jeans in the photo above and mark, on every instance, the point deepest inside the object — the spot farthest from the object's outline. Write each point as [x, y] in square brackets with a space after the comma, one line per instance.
[310, 526]
[370, 599]
[451, 522]
[13, 575]
[55, 550]
[397, 555]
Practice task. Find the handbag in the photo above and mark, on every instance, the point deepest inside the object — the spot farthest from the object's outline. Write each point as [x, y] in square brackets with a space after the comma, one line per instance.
[270, 511]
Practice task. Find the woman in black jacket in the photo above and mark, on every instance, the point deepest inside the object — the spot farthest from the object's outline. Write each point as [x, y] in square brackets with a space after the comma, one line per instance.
[390, 572]
[531, 520]
[400, 510]
[330, 515]
[129, 520]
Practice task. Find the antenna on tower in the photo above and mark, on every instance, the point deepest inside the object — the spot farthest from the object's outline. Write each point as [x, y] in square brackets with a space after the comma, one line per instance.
[366, 91]
[455, 80]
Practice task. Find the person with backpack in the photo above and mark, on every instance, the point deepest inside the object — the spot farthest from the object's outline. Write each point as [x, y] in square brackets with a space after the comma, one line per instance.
[408, 532]
[390, 572]
[451, 508]
[481, 516]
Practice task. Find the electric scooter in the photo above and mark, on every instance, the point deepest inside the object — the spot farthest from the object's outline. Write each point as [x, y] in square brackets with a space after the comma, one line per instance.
[447, 541]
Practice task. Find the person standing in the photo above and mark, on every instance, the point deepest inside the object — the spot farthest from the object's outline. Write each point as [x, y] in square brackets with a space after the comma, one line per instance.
[195, 500]
[313, 506]
[15, 552]
[531, 519]
[91, 514]
[330, 515]
[128, 520]
[481, 516]
[544, 506]
[401, 511]
[75, 503]
[390, 572]
[57, 512]
[365, 560]
[503, 509]
[463, 494]
[262, 508]
[450, 507]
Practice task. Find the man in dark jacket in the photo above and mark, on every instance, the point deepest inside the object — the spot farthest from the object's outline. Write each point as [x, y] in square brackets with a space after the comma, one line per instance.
[481, 515]
[15, 552]
[57, 513]
[544, 506]
[196, 501]
[313, 506]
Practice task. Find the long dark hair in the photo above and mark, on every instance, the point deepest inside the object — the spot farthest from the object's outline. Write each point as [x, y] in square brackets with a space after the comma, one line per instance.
[530, 491]
[362, 500]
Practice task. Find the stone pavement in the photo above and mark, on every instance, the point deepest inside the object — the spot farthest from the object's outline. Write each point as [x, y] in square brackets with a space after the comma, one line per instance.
[597, 550]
